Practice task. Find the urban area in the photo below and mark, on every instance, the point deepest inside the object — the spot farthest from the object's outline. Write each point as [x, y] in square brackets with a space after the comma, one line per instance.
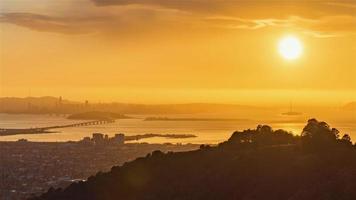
[30, 168]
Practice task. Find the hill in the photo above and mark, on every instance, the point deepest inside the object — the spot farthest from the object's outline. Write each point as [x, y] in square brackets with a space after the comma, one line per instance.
[253, 164]
[52, 105]
[32, 105]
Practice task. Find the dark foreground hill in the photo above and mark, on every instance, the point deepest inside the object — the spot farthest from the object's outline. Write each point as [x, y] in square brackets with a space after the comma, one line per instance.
[253, 164]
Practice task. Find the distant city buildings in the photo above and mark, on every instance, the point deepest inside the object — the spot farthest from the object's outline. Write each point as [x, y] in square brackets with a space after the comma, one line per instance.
[119, 138]
[99, 139]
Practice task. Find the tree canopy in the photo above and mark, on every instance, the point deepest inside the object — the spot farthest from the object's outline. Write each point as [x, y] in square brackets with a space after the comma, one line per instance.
[253, 164]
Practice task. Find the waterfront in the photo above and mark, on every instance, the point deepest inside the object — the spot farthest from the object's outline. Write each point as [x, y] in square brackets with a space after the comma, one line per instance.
[206, 131]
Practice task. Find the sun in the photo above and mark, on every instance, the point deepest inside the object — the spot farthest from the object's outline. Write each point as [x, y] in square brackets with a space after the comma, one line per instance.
[290, 47]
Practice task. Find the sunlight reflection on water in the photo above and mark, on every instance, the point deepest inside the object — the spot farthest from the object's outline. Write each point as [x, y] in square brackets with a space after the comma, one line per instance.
[206, 131]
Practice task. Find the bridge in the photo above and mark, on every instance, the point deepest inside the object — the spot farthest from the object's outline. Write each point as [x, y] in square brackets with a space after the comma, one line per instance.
[48, 129]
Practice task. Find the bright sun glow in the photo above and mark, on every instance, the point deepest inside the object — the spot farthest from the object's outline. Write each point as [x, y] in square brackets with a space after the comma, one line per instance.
[290, 48]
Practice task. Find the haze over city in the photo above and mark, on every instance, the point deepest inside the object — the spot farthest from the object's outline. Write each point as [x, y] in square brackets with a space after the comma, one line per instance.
[174, 52]
[177, 99]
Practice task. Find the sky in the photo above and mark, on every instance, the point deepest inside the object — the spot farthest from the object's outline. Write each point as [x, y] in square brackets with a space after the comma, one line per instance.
[178, 51]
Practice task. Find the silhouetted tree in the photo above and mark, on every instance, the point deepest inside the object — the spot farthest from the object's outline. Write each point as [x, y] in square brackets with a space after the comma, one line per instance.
[319, 135]
[346, 140]
[253, 164]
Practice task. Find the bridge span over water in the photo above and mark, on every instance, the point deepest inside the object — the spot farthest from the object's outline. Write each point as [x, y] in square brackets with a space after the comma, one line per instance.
[4, 131]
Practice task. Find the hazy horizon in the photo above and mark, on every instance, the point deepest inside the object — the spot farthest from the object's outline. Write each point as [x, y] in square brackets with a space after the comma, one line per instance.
[283, 102]
[172, 52]
[97, 97]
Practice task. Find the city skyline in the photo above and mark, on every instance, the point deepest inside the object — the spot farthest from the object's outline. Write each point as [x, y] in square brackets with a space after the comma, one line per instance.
[173, 52]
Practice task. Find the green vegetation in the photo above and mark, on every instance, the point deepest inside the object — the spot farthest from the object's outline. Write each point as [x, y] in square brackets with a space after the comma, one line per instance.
[253, 164]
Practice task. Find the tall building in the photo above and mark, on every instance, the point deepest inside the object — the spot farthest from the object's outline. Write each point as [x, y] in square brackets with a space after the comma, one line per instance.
[119, 138]
[98, 138]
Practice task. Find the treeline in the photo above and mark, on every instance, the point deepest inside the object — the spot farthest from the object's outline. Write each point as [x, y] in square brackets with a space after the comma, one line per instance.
[262, 163]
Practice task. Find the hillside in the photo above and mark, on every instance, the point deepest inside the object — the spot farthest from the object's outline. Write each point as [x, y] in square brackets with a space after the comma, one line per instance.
[252, 164]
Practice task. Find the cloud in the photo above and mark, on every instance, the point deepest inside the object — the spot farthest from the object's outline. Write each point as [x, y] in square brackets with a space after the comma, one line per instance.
[331, 23]
[328, 26]
[39, 22]
[186, 5]
[234, 7]
[241, 23]
[133, 16]
[123, 20]
[342, 4]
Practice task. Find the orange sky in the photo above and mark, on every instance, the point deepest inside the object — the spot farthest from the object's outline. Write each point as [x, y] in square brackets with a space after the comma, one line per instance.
[160, 51]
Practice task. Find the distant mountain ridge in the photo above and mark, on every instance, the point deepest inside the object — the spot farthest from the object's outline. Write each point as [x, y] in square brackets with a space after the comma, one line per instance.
[57, 105]
[256, 164]
[35, 105]
[47, 100]
[53, 105]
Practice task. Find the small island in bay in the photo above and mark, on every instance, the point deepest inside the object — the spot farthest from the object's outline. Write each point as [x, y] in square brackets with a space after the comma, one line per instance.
[150, 135]
[97, 115]
[291, 113]
[120, 138]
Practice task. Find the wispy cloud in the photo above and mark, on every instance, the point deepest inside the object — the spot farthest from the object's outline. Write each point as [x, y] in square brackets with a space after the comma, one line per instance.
[241, 23]
[124, 16]
[329, 26]
[350, 4]
[124, 20]
[46, 23]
